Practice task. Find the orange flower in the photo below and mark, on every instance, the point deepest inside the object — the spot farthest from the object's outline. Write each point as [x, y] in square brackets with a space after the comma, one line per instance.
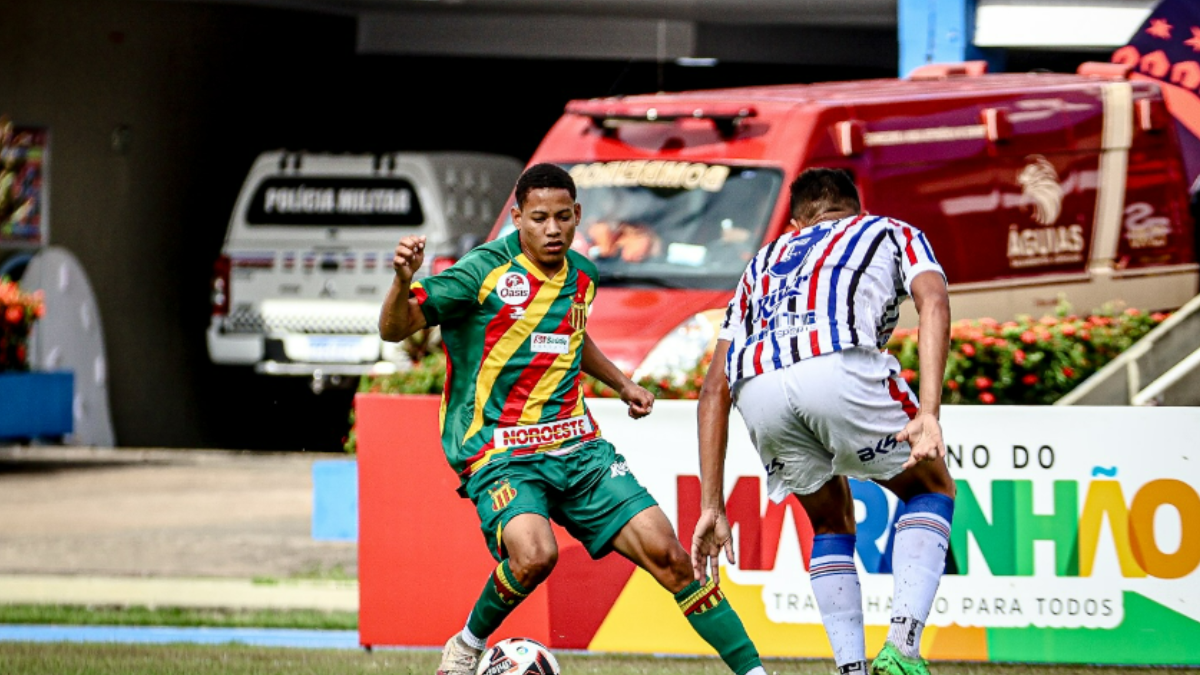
[908, 374]
[968, 349]
[14, 314]
[1068, 329]
[952, 385]
[1019, 357]
[1028, 337]
[1068, 372]
[1029, 380]
[987, 397]
[983, 382]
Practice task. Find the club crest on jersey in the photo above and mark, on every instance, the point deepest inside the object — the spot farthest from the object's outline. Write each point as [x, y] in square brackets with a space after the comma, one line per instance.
[796, 252]
[513, 288]
[578, 316]
[502, 495]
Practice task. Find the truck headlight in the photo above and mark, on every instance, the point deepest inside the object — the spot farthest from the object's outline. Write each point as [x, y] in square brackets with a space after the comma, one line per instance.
[682, 349]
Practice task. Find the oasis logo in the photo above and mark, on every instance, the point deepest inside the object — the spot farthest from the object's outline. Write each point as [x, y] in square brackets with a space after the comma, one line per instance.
[513, 288]
[882, 447]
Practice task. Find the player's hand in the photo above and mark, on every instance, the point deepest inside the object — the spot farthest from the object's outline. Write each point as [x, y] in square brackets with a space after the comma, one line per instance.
[639, 399]
[712, 535]
[408, 257]
[924, 435]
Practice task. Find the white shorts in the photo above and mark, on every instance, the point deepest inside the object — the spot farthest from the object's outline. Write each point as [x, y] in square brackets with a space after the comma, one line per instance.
[834, 414]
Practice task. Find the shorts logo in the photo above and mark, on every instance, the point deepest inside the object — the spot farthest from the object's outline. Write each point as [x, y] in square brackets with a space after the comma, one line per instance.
[619, 468]
[774, 467]
[513, 288]
[502, 495]
[882, 447]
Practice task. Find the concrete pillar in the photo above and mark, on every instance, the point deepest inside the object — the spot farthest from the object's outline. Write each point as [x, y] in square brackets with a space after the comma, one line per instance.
[940, 31]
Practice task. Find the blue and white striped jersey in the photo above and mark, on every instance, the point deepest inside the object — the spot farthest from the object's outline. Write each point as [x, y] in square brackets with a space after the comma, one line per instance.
[831, 286]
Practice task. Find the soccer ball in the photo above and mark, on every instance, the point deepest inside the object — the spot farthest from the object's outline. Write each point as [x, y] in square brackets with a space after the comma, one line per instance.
[517, 656]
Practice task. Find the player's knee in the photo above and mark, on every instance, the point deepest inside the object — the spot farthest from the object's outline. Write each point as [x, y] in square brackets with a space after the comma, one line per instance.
[675, 567]
[533, 564]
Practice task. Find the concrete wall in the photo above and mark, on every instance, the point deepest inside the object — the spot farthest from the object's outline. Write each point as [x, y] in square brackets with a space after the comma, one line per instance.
[196, 91]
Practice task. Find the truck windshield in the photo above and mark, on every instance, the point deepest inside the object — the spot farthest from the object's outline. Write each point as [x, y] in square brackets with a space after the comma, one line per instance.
[668, 224]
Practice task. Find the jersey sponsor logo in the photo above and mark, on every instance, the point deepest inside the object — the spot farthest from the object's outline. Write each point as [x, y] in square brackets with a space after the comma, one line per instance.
[550, 343]
[796, 253]
[513, 288]
[542, 434]
[502, 495]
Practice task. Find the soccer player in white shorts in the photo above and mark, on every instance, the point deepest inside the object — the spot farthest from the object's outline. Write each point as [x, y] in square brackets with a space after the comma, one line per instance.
[802, 350]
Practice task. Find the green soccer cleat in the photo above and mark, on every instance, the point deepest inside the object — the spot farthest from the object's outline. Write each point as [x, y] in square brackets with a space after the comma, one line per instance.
[891, 662]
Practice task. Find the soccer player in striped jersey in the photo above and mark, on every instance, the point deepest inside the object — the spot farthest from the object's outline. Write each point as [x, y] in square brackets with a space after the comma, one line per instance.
[802, 350]
[516, 428]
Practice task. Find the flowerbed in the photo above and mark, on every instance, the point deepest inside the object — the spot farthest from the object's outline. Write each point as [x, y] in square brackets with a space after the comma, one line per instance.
[1028, 361]
[18, 312]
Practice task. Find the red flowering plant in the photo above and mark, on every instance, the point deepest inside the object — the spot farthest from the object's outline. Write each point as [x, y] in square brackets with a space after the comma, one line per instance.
[18, 312]
[1027, 361]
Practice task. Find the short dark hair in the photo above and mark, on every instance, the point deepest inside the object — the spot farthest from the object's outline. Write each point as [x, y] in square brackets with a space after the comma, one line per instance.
[543, 175]
[819, 189]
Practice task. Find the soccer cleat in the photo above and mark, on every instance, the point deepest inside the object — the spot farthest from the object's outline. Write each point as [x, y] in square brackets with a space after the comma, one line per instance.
[891, 662]
[458, 658]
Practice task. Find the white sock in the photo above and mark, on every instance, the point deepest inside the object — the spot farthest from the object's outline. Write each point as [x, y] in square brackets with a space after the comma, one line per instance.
[918, 560]
[839, 596]
[756, 670]
[472, 641]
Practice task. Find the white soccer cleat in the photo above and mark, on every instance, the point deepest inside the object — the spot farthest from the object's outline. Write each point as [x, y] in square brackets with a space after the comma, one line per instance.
[458, 658]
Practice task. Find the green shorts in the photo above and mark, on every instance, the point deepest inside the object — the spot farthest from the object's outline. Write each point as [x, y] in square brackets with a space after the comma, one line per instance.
[589, 491]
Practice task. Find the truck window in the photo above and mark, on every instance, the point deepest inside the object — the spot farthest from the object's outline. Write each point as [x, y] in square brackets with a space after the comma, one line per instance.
[335, 202]
[672, 224]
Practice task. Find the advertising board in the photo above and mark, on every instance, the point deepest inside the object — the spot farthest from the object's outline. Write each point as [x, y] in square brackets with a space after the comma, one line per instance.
[23, 200]
[1076, 539]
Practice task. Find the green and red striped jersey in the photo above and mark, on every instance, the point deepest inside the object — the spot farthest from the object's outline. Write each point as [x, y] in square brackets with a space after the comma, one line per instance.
[514, 342]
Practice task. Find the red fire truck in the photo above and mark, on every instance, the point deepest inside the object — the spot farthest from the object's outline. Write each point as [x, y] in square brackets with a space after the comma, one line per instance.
[1033, 188]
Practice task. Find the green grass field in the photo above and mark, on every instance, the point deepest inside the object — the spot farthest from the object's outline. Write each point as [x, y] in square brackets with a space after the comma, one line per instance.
[21, 658]
[24, 658]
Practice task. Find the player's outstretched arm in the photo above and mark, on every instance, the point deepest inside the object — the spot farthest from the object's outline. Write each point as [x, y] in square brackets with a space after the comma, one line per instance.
[924, 432]
[596, 364]
[713, 533]
[400, 315]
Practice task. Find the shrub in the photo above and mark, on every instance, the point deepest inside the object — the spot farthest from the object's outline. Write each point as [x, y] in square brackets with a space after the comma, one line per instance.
[1027, 361]
[426, 376]
[18, 312]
